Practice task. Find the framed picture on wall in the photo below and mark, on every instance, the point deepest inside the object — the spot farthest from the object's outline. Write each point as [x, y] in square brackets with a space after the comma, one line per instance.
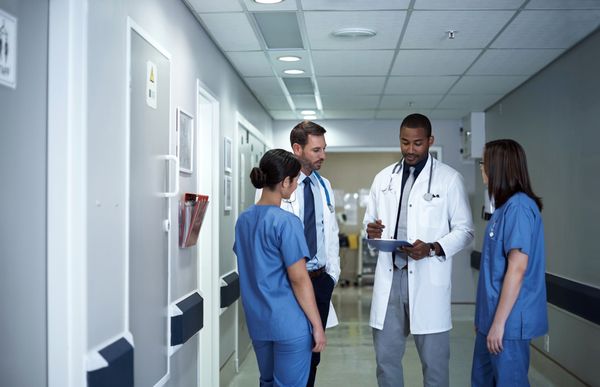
[185, 147]
[227, 154]
[436, 151]
[227, 194]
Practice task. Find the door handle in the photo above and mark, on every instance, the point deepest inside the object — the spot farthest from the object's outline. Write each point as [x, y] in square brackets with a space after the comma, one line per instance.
[171, 160]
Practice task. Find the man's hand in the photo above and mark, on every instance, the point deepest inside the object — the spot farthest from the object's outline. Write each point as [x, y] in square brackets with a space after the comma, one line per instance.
[319, 339]
[374, 230]
[419, 250]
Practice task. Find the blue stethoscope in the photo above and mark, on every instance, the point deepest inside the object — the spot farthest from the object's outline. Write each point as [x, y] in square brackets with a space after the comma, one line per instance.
[396, 170]
[327, 196]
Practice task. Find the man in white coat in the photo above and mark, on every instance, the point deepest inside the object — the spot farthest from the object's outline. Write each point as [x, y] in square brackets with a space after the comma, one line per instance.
[313, 203]
[422, 201]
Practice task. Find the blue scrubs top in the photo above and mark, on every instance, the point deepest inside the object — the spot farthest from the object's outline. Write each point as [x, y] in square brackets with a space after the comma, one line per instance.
[515, 225]
[267, 241]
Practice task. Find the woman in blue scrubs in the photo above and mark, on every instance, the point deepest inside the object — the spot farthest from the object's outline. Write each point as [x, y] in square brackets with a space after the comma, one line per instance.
[277, 294]
[511, 293]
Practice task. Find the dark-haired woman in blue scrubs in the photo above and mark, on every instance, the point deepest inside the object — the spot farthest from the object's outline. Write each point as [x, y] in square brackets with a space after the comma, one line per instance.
[511, 293]
[277, 293]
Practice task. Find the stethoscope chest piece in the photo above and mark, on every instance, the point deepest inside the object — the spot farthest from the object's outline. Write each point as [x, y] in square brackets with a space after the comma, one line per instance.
[428, 196]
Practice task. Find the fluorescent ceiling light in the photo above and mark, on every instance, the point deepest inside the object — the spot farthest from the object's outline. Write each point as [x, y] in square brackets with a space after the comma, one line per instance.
[354, 33]
[293, 71]
[307, 112]
[310, 117]
[268, 1]
[289, 58]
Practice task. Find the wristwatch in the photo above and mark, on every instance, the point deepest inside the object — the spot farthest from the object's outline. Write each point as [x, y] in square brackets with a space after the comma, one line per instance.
[431, 249]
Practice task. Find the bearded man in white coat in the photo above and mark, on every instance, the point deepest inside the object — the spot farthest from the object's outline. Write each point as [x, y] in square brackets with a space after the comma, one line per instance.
[422, 201]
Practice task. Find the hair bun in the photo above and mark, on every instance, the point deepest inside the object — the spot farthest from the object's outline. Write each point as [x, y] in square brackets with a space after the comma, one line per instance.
[258, 177]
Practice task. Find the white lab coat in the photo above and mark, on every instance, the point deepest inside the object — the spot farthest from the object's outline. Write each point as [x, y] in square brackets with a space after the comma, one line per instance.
[445, 219]
[331, 230]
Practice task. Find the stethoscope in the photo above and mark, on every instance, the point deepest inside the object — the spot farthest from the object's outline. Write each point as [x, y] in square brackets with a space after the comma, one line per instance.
[327, 196]
[396, 170]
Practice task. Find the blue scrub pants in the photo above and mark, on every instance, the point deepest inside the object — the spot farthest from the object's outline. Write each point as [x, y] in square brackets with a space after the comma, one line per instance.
[284, 363]
[509, 368]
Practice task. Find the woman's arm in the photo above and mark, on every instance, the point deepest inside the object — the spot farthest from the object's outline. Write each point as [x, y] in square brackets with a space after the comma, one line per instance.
[303, 290]
[511, 286]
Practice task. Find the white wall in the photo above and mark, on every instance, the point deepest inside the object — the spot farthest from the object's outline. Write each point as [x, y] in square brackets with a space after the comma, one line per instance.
[555, 117]
[194, 56]
[23, 168]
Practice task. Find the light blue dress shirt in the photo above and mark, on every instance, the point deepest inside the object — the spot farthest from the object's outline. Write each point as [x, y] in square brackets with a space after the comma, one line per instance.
[320, 259]
[517, 224]
[267, 241]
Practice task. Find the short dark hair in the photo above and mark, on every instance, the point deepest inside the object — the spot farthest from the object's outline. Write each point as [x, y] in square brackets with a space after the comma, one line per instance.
[505, 165]
[274, 167]
[415, 121]
[299, 135]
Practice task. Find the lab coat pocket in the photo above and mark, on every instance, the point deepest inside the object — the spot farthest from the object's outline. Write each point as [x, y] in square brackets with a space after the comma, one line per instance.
[440, 272]
[432, 212]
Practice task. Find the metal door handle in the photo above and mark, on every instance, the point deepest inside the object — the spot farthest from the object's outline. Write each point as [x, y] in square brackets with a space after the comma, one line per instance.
[172, 160]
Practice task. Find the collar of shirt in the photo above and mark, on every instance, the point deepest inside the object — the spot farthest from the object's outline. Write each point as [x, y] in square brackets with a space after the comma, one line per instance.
[418, 168]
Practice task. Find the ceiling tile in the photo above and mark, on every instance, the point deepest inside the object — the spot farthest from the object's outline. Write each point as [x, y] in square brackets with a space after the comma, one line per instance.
[419, 85]
[563, 4]
[513, 62]
[258, 7]
[232, 31]
[492, 84]
[349, 102]
[274, 102]
[548, 29]
[279, 29]
[387, 24]
[474, 29]
[251, 63]
[328, 5]
[350, 85]
[215, 6]
[355, 114]
[264, 85]
[283, 114]
[410, 101]
[468, 4]
[433, 62]
[304, 101]
[472, 102]
[299, 85]
[447, 114]
[375, 62]
[399, 114]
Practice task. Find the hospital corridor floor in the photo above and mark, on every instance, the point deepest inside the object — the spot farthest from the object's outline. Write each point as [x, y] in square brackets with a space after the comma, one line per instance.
[349, 358]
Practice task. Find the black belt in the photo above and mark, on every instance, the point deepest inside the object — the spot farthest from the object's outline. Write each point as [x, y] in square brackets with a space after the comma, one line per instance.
[316, 273]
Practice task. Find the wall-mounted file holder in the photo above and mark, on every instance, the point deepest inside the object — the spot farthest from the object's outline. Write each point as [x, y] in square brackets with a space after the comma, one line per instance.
[230, 289]
[112, 366]
[191, 214]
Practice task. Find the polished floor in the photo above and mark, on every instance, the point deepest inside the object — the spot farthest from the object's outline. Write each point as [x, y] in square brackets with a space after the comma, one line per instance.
[349, 359]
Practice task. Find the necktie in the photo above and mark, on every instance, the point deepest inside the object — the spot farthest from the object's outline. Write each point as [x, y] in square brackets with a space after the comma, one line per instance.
[310, 224]
[401, 229]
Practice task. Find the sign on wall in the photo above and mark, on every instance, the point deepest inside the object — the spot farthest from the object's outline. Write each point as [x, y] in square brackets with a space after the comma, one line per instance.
[8, 50]
[151, 81]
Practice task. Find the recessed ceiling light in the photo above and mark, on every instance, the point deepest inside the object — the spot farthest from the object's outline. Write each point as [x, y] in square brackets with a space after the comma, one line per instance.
[307, 112]
[310, 117]
[268, 1]
[294, 71]
[353, 33]
[289, 58]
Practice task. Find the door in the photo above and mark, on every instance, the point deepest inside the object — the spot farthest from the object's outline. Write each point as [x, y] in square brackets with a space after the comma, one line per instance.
[148, 210]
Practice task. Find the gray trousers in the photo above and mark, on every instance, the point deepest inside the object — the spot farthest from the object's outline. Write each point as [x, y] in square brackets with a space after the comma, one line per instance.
[390, 343]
